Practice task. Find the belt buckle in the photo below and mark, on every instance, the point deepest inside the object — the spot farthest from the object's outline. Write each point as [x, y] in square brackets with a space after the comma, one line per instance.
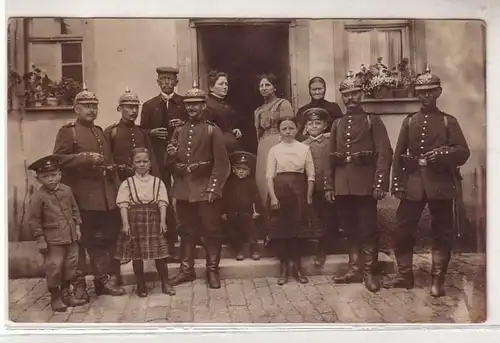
[422, 162]
[348, 159]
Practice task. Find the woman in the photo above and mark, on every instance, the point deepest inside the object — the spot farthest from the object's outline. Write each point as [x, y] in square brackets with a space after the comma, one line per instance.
[290, 179]
[317, 91]
[266, 123]
[220, 112]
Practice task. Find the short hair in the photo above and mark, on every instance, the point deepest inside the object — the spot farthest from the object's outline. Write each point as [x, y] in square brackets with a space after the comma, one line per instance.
[214, 75]
[269, 77]
[292, 119]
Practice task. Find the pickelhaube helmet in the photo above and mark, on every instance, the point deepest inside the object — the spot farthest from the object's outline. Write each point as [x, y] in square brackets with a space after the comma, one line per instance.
[128, 98]
[85, 97]
[315, 113]
[351, 83]
[427, 80]
[195, 94]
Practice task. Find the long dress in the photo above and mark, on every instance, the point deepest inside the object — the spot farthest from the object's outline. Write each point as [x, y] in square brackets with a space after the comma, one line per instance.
[143, 197]
[224, 116]
[266, 123]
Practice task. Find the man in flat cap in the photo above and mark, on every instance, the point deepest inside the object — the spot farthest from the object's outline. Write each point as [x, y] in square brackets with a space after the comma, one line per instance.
[56, 239]
[124, 136]
[90, 171]
[200, 165]
[361, 158]
[429, 150]
[160, 116]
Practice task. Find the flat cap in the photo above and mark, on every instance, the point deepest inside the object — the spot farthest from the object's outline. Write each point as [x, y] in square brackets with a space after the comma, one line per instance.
[316, 113]
[45, 164]
[243, 157]
[167, 70]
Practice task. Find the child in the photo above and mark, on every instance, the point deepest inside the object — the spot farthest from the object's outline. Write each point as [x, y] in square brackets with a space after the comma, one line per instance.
[55, 220]
[322, 214]
[290, 194]
[242, 204]
[143, 202]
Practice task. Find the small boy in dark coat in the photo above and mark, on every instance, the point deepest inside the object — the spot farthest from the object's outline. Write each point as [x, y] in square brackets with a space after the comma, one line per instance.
[54, 219]
[241, 204]
[322, 215]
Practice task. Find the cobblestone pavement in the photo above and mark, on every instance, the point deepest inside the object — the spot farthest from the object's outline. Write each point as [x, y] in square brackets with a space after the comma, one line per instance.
[263, 301]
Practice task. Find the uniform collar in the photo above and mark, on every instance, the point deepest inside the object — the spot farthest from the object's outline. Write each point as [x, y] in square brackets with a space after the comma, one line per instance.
[429, 110]
[320, 138]
[52, 191]
[84, 123]
[126, 123]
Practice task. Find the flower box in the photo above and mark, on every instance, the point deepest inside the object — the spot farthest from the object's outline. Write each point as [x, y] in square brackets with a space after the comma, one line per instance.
[391, 105]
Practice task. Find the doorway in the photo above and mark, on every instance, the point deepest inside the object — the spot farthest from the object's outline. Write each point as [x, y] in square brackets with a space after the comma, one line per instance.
[244, 51]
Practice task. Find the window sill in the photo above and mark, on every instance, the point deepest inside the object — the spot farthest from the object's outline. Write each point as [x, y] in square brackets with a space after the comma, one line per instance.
[391, 105]
[64, 108]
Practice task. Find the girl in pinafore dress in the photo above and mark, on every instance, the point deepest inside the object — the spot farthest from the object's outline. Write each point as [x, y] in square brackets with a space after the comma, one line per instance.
[290, 178]
[143, 202]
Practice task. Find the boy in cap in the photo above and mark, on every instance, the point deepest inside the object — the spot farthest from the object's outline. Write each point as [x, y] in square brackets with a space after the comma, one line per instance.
[322, 212]
[241, 204]
[54, 219]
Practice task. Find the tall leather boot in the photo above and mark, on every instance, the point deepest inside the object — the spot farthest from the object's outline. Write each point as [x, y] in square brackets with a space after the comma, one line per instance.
[55, 300]
[116, 275]
[80, 289]
[370, 279]
[104, 284]
[283, 277]
[186, 273]
[138, 266]
[254, 250]
[214, 248]
[162, 268]
[172, 250]
[440, 261]
[354, 274]
[405, 277]
[68, 298]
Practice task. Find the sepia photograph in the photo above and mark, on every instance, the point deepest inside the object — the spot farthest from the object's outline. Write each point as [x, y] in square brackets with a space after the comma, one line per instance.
[239, 170]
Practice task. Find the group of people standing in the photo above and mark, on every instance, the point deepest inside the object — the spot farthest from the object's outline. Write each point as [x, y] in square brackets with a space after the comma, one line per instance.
[183, 173]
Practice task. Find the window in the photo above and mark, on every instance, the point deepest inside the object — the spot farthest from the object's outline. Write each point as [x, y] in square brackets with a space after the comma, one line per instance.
[55, 47]
[367, 40]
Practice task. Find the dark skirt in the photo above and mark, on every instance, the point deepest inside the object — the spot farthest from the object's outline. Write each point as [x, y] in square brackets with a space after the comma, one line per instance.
[145, 241]
[293, 218]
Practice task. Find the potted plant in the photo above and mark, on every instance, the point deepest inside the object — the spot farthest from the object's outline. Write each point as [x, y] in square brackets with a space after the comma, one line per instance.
[66, 90]
[404, 87]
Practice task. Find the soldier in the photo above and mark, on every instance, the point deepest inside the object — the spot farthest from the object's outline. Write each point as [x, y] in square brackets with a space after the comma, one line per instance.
[125, 136]
[200, 164]
[90, 171]
[361, 157]
[429, 150]
[160, 116]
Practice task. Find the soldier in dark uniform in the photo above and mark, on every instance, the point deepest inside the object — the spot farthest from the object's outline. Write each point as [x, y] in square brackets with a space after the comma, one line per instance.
[361, 157]
[200, 164]
[125, 136]
[160, 116]
[430, 148]
[90, 171]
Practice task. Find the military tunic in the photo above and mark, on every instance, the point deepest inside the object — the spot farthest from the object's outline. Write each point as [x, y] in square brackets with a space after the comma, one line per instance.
[125, 137]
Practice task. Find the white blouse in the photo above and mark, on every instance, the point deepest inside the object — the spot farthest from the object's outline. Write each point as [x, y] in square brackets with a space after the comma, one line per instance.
[290, 157]
[145, 191]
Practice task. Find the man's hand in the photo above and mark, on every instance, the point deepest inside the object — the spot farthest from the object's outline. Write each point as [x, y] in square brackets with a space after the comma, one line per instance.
[237, 133]
[96, 158]
[42, 246]
[163, 227]
[78, 233]
[255, 215]
[211, 196]
[175, 122]
[378, 194]
[223, 216]
[171, 149]
[160, 133]
[330, 196]
[431, 156]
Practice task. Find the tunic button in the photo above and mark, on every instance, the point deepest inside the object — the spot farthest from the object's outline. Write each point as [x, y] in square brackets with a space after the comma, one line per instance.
[189, 148]
[348, 145]
[190, 131]
[348, 134]
[423, 133]
[192, 125]
[422, 141]
[425, 121]
[349, 127]
[189, 143]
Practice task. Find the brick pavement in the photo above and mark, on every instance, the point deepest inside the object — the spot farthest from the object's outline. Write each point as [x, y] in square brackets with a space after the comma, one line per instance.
[261, 300]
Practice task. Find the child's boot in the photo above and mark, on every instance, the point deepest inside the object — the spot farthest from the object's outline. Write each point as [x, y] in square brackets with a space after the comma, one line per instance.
[138, 266]
[162, 268]
[68, 298]
[254, 251]
[55, 300]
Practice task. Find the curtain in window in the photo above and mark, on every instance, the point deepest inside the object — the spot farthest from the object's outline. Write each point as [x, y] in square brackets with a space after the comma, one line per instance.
[359, 43]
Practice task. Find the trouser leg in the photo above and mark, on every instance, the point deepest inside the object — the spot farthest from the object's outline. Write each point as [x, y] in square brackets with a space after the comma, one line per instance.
[53, 264]
[212, 232]
[68, 275]
[162, 268]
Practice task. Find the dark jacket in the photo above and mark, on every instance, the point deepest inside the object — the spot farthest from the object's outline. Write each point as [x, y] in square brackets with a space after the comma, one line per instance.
[124, 137]
[224, 116]
[154, 114]
[240, 195]
[420, 133]
[200, 147]
[331, 107]
[320, 153]
[350, 135]
[94, 186]
[53, 215]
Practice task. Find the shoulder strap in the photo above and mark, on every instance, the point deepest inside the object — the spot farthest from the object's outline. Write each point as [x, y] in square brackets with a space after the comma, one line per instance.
[446, 128]
[73, 133]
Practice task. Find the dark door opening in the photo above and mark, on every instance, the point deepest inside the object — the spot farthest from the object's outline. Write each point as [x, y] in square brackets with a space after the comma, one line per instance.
[244, 51]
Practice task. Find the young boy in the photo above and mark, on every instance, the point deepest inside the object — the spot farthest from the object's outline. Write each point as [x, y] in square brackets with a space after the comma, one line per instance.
[241, 204]
[54, 219]
[322, 212]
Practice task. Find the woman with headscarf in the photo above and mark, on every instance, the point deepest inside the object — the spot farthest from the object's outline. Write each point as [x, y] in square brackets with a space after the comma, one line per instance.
[266, 123]
[220, 112]
[317, 91]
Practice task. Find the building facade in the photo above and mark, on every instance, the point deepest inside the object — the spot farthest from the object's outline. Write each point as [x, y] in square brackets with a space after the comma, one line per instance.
[112, 54]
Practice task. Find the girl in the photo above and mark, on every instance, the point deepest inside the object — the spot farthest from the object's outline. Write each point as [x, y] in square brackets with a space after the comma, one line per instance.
[143, 202]
[290, 195]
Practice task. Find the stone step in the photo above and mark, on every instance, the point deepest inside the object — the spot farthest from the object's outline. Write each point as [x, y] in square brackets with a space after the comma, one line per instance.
[266, 267]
